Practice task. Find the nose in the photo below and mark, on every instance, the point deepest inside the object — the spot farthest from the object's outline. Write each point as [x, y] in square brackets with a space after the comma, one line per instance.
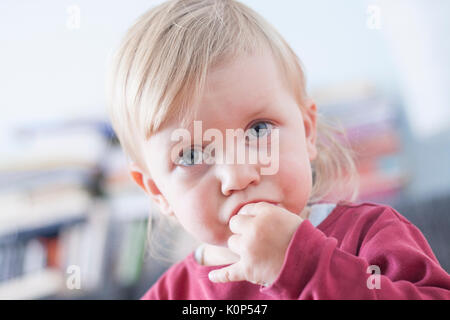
[235, 177]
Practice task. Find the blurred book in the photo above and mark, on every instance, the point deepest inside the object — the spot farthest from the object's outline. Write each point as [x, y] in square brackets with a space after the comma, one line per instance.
[73, 223]
[131, 253]
[370, 122]
[48, 179]
[43, 149]
[32, 286]
[24, 262]
[23, 212]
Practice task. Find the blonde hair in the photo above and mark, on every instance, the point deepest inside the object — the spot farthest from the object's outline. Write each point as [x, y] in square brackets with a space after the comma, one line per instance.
[160, 68]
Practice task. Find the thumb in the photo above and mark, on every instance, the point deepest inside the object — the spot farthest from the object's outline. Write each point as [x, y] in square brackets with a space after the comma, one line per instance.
[227, 274]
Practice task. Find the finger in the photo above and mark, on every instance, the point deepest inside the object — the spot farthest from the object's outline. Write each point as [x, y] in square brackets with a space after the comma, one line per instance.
[240, 223]
[234, 244]
[247, 209]
[227, 274]
[255, 208]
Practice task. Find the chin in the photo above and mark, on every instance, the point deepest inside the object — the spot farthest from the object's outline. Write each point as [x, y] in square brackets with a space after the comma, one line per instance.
[221, 241]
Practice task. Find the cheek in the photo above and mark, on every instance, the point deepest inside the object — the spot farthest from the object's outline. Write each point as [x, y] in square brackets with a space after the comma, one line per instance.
[295, 178]
[196, 210]
[295, 173]
[190, 205]
[295, 168]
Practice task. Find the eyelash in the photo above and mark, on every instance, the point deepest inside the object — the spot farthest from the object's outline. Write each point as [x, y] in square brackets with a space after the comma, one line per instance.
[270, 126]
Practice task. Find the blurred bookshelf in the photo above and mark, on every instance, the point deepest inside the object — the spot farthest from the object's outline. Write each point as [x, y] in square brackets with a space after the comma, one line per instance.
[373, 127]
[71, 211]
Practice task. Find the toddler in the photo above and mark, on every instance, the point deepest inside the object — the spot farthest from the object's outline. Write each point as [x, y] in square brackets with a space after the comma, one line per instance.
[190, 78]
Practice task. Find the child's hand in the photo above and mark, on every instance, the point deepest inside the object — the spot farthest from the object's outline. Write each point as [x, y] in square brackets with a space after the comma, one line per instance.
[262, 232]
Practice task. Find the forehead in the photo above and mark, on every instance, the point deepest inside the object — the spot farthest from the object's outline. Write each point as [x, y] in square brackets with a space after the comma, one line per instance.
[233, 93]
[237, 88]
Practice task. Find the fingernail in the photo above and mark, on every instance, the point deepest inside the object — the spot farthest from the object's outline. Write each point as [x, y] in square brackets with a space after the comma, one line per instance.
[212, 276]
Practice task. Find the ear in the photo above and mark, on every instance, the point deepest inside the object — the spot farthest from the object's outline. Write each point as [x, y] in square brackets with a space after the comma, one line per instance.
[310, 124]
[149, 186]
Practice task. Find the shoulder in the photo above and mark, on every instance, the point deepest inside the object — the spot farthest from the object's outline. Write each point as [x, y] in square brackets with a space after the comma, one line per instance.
[381, 230]
[380, 223]
[168, 284]
[358, 221]
[370, 211]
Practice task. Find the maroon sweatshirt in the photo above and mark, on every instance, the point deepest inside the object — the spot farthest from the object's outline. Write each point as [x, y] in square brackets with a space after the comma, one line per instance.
[359, 251]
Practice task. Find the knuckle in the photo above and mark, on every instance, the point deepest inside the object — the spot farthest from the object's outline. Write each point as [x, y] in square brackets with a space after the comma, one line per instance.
[230, 241]
[233, 222]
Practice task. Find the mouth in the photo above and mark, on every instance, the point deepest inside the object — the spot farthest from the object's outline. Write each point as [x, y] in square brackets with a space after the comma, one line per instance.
[236, 210]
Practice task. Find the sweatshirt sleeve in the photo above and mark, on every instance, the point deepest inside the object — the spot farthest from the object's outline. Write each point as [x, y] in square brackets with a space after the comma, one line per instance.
[316, 268]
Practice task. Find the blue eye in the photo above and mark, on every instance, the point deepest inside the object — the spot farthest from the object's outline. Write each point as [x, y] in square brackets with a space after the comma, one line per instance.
[259, 129]
[190, 157]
